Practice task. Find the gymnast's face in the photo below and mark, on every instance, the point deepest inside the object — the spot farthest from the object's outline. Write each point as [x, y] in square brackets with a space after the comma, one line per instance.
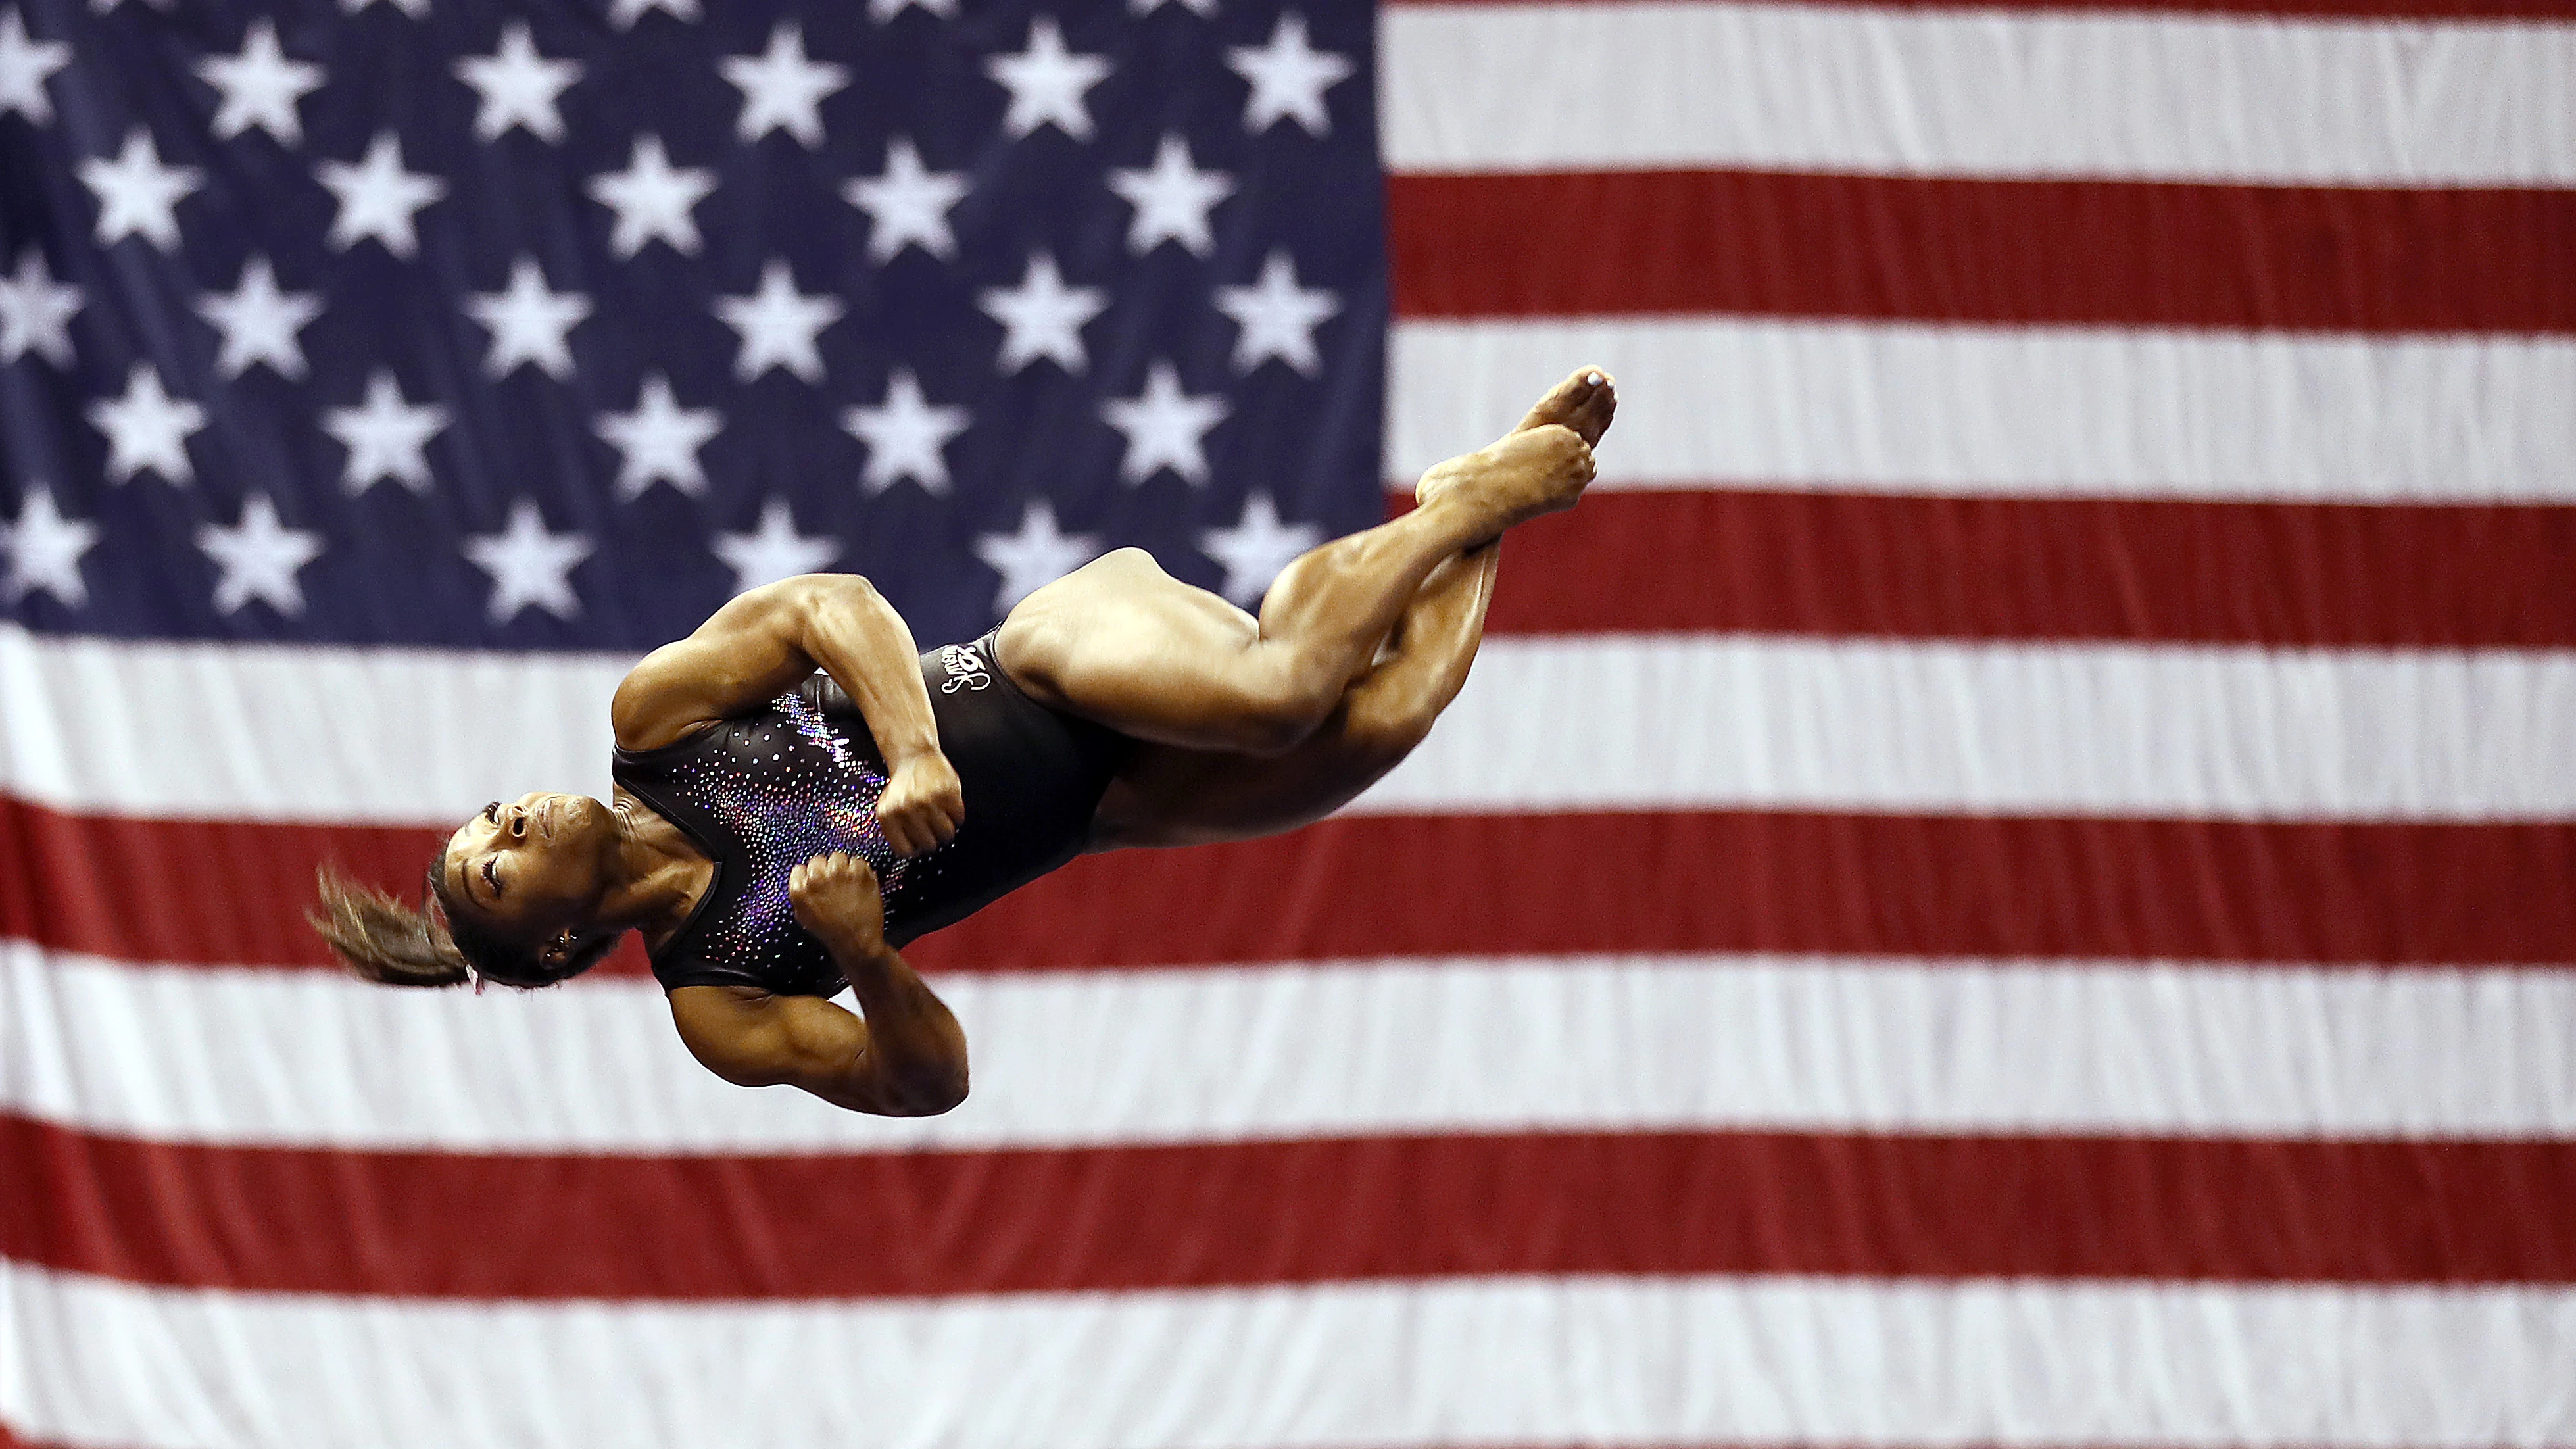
[535, 866]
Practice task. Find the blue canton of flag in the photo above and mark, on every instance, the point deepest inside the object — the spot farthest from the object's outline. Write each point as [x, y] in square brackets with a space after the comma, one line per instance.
[547, 326]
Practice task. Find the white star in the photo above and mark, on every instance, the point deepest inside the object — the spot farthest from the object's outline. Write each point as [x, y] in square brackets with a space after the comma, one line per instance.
[885, 10]
[147, 428]
[416, 9]
[776, 552]
[1034, 557]
[528, 322]
[1165, 427]
[377, 197]
[905, 436]
[1256, 549]
[259, 558]
[624, 13]
[1172, 200]
[25, 66]
[908, 204]
[1046, 82]
[44, 550]
[261, 86]
[528, 565]
[385, 438]
[518, 86]
[652, 200]
[1278, 317]
[259, 322]
[36, 312]
[659, 441]
[782, 89]
[1288, 78]
[778, 325]
[136, 193]
[1044, 317]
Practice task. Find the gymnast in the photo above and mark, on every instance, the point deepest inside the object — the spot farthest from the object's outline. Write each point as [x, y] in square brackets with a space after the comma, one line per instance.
[778, 832]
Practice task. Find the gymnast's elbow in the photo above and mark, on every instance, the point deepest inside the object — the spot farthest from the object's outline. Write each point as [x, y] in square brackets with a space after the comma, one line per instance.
[782, 604]
[809, 592]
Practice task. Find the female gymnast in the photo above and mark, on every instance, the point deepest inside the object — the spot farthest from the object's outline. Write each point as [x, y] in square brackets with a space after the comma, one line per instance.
[777, 833]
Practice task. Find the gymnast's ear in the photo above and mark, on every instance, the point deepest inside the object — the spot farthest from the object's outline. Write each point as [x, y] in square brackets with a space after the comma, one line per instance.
[571, 954]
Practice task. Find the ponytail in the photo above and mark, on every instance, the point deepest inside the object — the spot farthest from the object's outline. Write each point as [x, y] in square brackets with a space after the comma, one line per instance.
[382, 940]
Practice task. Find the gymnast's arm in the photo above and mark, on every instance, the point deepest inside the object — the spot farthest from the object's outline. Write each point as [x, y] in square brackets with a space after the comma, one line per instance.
[906, 1059]
[763, 644]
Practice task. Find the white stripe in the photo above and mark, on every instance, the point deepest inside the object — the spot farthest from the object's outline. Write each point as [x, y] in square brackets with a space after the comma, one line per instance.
[295, 733]
[1694, 721]
[1686, 1361]
[1367, 1048]
[1598, 722]
[1876, 408]
[1976, 93]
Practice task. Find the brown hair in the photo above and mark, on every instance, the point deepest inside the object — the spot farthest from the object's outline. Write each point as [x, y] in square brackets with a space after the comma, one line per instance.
[385, 941]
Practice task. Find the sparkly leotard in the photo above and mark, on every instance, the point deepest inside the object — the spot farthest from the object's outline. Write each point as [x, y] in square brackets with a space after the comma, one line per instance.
[762, 792]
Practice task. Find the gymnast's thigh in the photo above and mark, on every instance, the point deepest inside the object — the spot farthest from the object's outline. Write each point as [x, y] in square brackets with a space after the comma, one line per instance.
[1120, 642]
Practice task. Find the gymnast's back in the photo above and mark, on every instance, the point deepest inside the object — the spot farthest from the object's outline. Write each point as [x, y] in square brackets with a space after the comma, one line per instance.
[759, 793]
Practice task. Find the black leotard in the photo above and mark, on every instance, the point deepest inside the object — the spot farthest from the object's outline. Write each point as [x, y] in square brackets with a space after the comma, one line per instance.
[762, 792]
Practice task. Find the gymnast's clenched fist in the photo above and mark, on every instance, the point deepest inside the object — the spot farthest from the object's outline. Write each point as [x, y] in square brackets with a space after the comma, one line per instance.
[836, 897]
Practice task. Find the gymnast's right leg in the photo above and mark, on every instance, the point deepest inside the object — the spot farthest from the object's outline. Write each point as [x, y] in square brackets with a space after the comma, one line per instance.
[1121, 642]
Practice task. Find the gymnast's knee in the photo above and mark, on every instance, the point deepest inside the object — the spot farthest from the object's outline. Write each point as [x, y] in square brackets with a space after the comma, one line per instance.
[1379, 733]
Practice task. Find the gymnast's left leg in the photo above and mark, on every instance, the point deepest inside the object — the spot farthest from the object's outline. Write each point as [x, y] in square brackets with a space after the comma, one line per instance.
[1170, 795]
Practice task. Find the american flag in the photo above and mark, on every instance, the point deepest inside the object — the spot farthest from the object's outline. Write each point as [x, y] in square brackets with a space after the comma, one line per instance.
[2008, 877]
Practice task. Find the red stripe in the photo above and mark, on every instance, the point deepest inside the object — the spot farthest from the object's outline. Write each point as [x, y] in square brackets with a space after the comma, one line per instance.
[424, 1224]
[2116, 253]
[2023, 568]
[2356, 9]
[1501, 885]
[1862, 884]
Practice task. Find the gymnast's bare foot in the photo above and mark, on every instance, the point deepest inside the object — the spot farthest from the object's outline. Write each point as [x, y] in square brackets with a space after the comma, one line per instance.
[1528, 473]
[1582, 405]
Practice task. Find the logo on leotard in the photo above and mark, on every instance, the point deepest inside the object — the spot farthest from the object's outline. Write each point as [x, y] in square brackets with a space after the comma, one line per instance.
[965, 668]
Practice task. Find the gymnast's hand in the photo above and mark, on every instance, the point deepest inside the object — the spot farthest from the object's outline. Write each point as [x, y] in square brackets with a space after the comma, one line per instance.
[837, 898]
[922, 805]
